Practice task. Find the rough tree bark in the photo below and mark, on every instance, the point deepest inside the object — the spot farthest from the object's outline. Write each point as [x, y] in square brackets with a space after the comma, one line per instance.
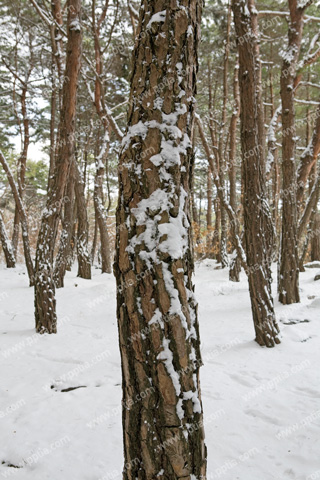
[66, 233]
[6, 245]
[288, 283]
[45, 303]
[258, 228]
[157, 315]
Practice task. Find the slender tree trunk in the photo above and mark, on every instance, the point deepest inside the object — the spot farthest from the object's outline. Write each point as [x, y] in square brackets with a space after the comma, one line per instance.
[235, 263]
[222, 160]
[258, 229]
[315, 240]
[45, 303]
[309, 158]
[66, 234]
[6, 245]
[101, 218]
[23, 219]
[158, 327]
[289, 264]
[84, 265]
[22, 164]
[209, 213]
[94, 241]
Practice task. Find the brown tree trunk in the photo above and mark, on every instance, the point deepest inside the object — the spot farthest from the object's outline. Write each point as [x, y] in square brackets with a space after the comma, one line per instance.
[66, 234]
[45, 303]
[315, 240]
[216, 234]
[6, 245]
[258, 229]
[22, 217]
[288, 283]
[309, 158]
[94, 241]
[22, 164]
[101, 217]
[222, 160]
[84, 264]
[235, 263]
[209, 213]
[157, 317]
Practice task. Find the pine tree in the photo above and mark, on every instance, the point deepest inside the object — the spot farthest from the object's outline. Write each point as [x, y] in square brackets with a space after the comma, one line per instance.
[258, 228]
[157, 313]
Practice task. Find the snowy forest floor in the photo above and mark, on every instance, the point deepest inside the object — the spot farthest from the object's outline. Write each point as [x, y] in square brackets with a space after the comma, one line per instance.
[262, 406]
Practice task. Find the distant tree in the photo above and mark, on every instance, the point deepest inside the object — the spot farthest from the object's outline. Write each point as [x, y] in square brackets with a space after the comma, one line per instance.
[258, 228]
[157, 315]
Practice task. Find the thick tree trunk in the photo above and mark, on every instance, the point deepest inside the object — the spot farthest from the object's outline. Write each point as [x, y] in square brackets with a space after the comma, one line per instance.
[84, 264]
[289, 264]
[45, 303]
[258, 229]
[157, 315]
[66, 234]
[6, 245]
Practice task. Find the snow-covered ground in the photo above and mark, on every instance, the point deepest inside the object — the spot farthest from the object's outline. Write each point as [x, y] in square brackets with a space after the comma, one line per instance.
[262, 406]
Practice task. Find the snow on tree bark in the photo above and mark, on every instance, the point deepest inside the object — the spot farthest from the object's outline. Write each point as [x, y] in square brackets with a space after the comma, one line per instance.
[45, 303]
[157, 312]
[258, 228]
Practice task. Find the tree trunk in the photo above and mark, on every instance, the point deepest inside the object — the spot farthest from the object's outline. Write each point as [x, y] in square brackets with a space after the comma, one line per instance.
[315, 240]
[45, 303]
[309, 158]
[258, 229]
[94, 241]
[101, 218]
[66, 234]
[6, 245]
[289, 264]
[84, 264]
[22, 164]
[157, 315]
[209, 214]
[222, 160]
[22, 217]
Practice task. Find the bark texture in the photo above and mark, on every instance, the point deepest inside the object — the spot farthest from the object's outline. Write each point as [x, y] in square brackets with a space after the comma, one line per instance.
[156, 308]
[258, 228]
[66, 234]
[289, 264]
[45, 303]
